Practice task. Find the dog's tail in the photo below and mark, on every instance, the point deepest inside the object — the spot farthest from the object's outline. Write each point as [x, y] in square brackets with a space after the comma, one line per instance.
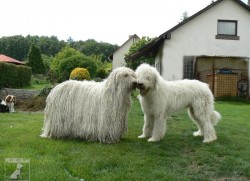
[215, 117]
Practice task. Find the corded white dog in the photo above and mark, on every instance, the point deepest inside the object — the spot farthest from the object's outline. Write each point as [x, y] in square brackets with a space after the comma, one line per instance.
[93, 111]
[159, 98]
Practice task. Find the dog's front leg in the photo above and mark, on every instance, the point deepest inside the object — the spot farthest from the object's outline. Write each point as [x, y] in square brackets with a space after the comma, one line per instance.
[147, 127]
[159, 129]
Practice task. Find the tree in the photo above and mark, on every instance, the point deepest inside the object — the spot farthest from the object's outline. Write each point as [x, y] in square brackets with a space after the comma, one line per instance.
[184, 16]
[133, 64]
[91, 47]
[66, 52]
[35, 60]
[72, 62]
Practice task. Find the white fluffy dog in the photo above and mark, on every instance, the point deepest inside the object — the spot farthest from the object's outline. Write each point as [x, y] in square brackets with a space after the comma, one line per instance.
[159, 98]
[93, 111]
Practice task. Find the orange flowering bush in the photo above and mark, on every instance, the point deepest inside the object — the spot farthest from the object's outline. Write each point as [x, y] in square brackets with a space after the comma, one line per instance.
[80, 74]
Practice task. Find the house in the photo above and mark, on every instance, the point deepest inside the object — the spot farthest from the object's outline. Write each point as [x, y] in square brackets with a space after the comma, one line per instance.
[212, 45]
[6, 59]
[118, 57]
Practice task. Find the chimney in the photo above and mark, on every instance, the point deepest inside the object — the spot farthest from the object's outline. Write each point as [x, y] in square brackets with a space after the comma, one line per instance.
[248, 3]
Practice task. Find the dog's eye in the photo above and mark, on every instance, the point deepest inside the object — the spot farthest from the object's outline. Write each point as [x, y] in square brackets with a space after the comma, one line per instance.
[126, 75]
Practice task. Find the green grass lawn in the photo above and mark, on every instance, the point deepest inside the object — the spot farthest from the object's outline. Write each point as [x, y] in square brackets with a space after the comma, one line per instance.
[179, 156]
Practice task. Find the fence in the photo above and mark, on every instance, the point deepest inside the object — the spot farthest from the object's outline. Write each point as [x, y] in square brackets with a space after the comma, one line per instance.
[226, 82]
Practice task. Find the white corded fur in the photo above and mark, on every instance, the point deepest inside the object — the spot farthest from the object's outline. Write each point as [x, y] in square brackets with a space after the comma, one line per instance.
[159, 98]
[93, 111]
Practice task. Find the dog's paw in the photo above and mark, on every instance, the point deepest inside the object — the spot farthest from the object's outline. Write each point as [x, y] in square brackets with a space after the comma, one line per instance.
[209, 140]
[142, 136]
[153, 139]
[198, 133]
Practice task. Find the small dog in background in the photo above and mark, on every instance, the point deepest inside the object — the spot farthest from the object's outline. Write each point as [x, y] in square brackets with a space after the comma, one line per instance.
[3, 106]
[10, 101]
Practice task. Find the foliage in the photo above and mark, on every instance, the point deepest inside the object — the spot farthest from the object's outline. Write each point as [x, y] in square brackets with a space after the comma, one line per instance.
[14, 75]
[133, 64]
[47, 61]
[35, 60]
[91, 47]
[15, 46]
[184, 16]
[65, 53]
[18, 46]
[101, 73]
[80, 74]
[179, 156]
[68, 64]
[45, 91]
[104, 70]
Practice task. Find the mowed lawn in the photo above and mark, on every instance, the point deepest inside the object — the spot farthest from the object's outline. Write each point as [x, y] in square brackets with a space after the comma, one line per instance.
[179, 156]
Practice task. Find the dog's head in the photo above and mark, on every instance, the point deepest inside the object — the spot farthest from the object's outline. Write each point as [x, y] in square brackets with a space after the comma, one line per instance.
[19, 166]
[147, 77]
[10, 98]
[123, 77]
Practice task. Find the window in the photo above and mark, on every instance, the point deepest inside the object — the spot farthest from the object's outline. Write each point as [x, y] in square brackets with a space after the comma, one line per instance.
[188, 67]
[227, 29]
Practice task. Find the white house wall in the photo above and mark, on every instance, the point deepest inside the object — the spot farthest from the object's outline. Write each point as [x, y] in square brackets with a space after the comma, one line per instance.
[197, 37]
[119, 55]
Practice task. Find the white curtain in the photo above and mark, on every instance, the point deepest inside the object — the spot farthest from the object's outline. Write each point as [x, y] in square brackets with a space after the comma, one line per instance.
[226, 28]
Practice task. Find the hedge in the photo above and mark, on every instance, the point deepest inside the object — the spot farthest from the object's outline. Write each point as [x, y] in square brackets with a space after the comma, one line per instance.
[14, 76]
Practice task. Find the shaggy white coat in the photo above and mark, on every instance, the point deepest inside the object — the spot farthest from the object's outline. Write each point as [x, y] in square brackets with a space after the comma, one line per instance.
[93, 111]
[159, 98]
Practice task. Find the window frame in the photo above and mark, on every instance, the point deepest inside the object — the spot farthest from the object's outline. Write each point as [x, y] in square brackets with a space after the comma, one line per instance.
[227, 36]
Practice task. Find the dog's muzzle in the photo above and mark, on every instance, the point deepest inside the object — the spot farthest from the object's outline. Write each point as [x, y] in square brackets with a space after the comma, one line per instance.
[142, 88]
[134, 85]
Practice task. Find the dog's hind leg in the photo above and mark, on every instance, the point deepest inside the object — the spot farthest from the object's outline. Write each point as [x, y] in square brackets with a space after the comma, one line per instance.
[159, 129]
[147, 127]
[203, 119]
[209, 132]
[196, 121]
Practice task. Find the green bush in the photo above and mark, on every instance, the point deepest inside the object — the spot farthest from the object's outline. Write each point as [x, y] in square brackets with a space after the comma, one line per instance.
[101, 72]
[68, 64]
[45, 91]
[14, 75]
[80, 74]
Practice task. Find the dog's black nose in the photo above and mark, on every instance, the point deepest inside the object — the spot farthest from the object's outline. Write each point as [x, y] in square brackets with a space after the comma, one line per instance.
[139, 85]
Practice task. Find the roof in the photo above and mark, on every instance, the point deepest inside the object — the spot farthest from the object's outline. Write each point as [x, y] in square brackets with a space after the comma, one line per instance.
[152, 47]
[110, 57]
[6, 59]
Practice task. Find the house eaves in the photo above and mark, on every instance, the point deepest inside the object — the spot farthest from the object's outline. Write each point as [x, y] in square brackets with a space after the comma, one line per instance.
[110, 57]
[152, 47]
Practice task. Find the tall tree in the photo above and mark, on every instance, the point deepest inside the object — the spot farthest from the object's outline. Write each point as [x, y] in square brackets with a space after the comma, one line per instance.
[35, 60]
[184, 16]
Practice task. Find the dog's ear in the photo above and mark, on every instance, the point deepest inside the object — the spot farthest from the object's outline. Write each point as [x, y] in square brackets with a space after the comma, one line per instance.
[153, 79]
[7, 99]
